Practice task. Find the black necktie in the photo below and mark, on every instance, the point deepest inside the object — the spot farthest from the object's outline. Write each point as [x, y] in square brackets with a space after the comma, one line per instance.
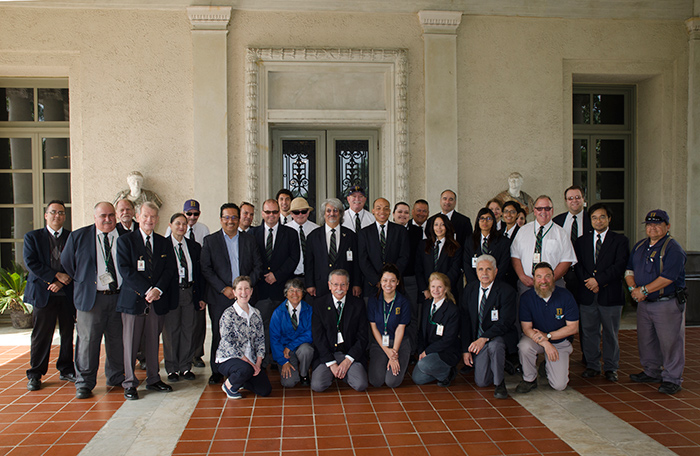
[268, 246]
[482, 312]
[485, 246]
[358, 225]
[333, 252]
[295, 321]
[110, 264]
[538, 247]
[149, 255]
[382, 242]
[598, 245]
[574, 230]
[436, 254]
[302, 238]
[192, 234]
[183, 262]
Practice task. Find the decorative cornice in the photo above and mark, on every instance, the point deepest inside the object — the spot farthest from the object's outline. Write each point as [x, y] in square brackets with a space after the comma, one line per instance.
[440, 22]
[209, 17]
[692, 25]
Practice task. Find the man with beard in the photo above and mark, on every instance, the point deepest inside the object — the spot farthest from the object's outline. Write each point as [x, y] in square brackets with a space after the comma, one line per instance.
[549, 319]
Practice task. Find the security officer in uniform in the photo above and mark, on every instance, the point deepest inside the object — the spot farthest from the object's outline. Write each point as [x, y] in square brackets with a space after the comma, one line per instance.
[655, 277]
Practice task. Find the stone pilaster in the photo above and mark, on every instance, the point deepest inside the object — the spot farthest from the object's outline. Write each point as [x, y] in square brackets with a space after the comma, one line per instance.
[693, 220]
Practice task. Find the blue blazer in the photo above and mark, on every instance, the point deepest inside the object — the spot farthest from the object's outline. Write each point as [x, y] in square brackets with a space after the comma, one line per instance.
[199, 283]
[79, 260]
[216, 265]
[285, 257]
[282, 332]
[37, 259]
[131, 249]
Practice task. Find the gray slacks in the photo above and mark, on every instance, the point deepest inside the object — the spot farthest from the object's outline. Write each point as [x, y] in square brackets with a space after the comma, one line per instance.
[377, 370]
[300, 359]
[134, 325]
[592, 318]
[102, 320]
[557, 371]
[489, 363]
[322, 377]
[661, 339]
[178, 332]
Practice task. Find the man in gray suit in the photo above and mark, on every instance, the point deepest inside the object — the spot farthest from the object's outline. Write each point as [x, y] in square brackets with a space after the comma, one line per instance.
[226, 254]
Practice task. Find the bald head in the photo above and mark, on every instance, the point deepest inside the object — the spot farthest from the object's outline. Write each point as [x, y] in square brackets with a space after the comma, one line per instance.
[105, 217]
[381, 210]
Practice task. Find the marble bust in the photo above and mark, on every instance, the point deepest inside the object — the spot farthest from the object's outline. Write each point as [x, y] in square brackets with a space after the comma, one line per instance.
[136, 193]
[514, 193]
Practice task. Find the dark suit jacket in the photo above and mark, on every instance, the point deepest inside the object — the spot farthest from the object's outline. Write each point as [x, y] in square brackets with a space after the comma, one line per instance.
[121, 230]
[587, 227]
[353, 326]
[131, 249]
[79, 260]
[216, 265]
[199, 282]
[37, 259]
[415, 235]
[370, 252]
[317, 265]
[502, 297]
[463, 227]
[451, 266]
[285, 257]
[447, 345]
[499, 249]
[608, 272]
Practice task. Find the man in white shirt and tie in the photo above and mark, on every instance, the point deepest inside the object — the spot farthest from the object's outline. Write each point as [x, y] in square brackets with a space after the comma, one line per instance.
[300, 211]
[356, 216]
[284, 199]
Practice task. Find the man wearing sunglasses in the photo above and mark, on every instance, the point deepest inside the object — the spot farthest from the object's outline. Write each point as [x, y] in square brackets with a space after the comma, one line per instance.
[541, 240]
[301, 210]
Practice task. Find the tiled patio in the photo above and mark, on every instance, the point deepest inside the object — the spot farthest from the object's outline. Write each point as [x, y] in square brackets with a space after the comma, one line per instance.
[410, 420]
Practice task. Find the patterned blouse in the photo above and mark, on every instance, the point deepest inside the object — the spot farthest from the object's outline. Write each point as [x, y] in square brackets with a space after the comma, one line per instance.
[236, 332]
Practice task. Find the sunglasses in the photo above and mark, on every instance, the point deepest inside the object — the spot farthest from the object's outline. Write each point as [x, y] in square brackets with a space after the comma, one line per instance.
[192, 214]
[546, 209]
[270, 212]
[303, 211]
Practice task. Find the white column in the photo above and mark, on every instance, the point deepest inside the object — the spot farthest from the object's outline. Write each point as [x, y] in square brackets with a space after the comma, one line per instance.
[209, 32]
[440, 61]
[693, 220]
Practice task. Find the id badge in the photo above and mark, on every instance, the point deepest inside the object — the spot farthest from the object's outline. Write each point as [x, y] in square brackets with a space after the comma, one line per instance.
[141, 265]
[385, 340]
[106, 279]
[348, 255]
[439, 330]
[494, 314]
[474, 262]
[181, 272]
[340, 338]
[536, 258]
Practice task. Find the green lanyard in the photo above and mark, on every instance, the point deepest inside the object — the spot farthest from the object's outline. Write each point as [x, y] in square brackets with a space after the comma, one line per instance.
[387, 315]
[340, 316]
[106, 254]
[534, 228]
[430, 318]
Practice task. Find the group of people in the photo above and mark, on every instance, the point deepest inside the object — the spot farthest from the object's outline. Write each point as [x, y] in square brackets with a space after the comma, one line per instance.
[357, 298]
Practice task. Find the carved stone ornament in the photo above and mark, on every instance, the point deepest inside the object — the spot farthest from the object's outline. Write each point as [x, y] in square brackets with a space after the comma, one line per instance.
[441, 22]
[209, 17]
[395, 168]
[693, 27]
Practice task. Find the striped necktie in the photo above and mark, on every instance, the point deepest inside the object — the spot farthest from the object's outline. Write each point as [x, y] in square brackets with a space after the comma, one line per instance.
[598, 246]
[382, 242]
[333, 252]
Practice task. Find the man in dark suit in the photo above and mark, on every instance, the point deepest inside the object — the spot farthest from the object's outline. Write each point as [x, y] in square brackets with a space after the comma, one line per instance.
[461, 223]
[89, 258]
[226, 254]
[279, 249]
[602, 260]
[380, 243]
[487, 310]
[50, 291]
[125, 214]
[340, 332]
[419, 214]
[331, 247]
[146, 261]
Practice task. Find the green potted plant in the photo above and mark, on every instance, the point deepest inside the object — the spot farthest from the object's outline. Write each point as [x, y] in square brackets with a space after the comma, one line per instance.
[12, 284]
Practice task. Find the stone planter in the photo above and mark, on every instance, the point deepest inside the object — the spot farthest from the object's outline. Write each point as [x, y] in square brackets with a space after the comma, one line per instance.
[21, 320]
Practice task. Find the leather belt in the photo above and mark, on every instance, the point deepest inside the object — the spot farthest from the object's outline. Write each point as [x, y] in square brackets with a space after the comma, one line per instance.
[109, 292]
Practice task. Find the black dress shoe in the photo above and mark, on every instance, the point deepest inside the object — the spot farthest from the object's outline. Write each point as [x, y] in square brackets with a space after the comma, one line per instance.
[501, 392]
[590, 373]
[131, 394]
[611, 376]
[141, 365]
[82, 393]
[305, 381]
[642, 377]
[187, 375]
[197, 362]
[448, 381]
[159, 386]
[34, 384]
[466, 369]
[216, 378]
[669, 388]
[69, 377]
[525, 386]
[173, 377]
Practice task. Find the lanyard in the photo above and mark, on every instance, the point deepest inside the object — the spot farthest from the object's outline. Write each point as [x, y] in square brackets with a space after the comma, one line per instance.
[534, 228]
[430, 317]
[387, 315]
[181, 258]
[106, 254]
[340, 316]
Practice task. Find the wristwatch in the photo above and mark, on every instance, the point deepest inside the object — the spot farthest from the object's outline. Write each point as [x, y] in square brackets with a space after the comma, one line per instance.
[549, 336]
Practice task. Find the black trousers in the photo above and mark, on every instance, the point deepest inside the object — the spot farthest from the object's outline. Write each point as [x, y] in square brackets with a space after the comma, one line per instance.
[60, 309]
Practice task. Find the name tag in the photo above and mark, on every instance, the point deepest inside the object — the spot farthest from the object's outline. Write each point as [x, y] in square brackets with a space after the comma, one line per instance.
[536, 258]
[348, 255]
[181, 272]
[385, 340]
[141, 265]
[106, 279]
[494, 314]
[340, 339]
[474, 262]
[439, 330]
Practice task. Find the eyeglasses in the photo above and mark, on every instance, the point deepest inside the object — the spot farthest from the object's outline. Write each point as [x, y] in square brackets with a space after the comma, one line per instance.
[485, 219]
[303, 211]
[56, 212]
[229, 218]
[572, 198]
[509, 211]
[271, 212]
[332, 211]
[545, 209]
[192, 214]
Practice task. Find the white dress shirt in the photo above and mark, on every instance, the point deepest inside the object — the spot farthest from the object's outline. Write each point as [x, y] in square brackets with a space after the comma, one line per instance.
[556, 246]
[366, 219]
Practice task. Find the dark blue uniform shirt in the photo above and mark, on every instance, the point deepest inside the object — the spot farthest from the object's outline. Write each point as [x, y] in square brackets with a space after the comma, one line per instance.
[644, 261]
[400, 313]
[548, 316]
